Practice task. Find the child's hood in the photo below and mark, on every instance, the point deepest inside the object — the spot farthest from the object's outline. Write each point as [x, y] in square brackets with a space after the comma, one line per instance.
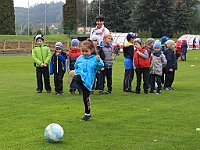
[127, 44]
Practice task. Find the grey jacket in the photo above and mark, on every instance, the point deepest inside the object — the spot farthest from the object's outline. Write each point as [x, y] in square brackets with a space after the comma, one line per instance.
[157, 64]
[108, 61]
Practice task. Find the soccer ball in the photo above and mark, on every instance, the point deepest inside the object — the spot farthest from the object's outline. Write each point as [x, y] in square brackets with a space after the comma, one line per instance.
[54, 133]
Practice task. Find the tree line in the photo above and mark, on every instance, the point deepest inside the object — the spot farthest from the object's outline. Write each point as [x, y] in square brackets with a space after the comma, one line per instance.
[157, 17]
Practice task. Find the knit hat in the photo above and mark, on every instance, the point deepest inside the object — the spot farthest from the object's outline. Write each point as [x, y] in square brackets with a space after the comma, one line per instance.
[95, 38]
[169, 43]
[157, 44]
[150, 41]
[164, 39]
[138, 40]
[74, 42]
[131, 35]
[59, 45]
[39, 36]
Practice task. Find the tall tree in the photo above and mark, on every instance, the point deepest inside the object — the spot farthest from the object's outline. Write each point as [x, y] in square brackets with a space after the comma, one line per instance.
[117, 14]
[69, 16]
[182, 18]
[7, 17]
[156, 16]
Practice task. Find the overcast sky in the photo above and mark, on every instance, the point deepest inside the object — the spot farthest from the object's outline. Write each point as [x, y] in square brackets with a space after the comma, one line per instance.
[24, 3]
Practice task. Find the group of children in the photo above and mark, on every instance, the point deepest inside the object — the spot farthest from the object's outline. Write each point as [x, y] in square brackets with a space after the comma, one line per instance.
[155, 63]
[93, 62]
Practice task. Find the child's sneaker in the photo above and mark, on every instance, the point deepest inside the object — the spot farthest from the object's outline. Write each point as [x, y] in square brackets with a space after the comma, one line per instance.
[167, 88]
[158, 92]
[108, 92]
[171, 88]
[100, 92]
[70, 76]
[86, 117]
[72, 92]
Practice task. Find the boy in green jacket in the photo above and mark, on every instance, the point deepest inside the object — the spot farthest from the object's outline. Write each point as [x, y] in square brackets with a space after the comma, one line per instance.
[41, 55]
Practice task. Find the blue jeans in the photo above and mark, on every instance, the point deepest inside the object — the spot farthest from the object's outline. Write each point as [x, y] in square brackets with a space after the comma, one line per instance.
[73, 87]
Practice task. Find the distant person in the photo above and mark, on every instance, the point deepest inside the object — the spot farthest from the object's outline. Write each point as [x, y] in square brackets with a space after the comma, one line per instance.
[58, 67]
[128, 50]
[41, 55]
[171, 65]
[116, 51]
[72, 56]
[86, 67]
[100, 30]
[194, 43]
[184, 47]
[158, 62]
[142, 64]
[178, 49]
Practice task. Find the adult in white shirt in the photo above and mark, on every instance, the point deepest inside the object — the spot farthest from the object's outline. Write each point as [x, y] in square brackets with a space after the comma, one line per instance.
[100, 30]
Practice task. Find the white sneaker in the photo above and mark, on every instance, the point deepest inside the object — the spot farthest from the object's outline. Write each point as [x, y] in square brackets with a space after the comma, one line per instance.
[70, 76]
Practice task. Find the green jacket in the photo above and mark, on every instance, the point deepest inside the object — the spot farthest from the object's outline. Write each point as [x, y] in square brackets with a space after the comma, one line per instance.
[41, 54]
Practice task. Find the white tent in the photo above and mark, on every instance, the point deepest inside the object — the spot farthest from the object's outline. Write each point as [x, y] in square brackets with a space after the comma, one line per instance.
[189, 38]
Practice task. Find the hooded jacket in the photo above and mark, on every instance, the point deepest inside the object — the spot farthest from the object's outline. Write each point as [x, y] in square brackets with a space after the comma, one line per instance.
[72, 55]
[171, 59]
[158, 62]
[142, 60]
[87, 68]
[58, 63]
[41, 54]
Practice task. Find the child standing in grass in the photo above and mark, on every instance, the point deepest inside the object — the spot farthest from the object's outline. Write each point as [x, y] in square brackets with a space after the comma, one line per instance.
[142, 64]
[72, 55]
[158, 61]
[86, 67]
[41, 55]
[171, 65]
[58, 67]
[106, 55]
[128, 61]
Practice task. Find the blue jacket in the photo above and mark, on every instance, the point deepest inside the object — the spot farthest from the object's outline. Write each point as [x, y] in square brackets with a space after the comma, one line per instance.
[58, 63]
[128, 55]
[184, 47]
[87, 69]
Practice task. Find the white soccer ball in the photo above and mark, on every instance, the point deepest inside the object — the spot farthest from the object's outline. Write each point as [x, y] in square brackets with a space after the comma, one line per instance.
[54, 133]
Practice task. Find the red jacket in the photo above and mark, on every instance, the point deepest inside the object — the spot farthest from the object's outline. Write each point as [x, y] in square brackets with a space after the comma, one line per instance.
[178, 46]
[139, 61]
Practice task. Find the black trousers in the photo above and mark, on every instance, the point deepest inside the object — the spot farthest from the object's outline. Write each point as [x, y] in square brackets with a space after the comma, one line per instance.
[43, 71]
[156, 78]
[86, 93]
[58, 81]
[169, 78]
[107, 73]
[128, 78]
[145, 73]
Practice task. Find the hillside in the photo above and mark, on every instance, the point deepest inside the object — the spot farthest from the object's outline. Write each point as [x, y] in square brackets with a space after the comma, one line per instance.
[37, 14]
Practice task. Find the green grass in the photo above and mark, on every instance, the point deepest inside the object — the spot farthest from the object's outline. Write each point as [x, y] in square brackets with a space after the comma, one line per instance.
[48, 38]
[120, 121]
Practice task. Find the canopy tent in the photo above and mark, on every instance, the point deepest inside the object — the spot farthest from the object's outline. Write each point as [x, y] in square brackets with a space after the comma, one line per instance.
[189, 38]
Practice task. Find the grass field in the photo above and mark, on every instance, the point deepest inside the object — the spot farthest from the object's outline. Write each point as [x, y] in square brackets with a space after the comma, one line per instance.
[120, 121]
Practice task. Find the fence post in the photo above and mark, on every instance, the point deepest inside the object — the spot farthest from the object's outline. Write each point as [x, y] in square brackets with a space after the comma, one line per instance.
[67, 46]
[32, 45]
[18, 46]
[4, 45]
